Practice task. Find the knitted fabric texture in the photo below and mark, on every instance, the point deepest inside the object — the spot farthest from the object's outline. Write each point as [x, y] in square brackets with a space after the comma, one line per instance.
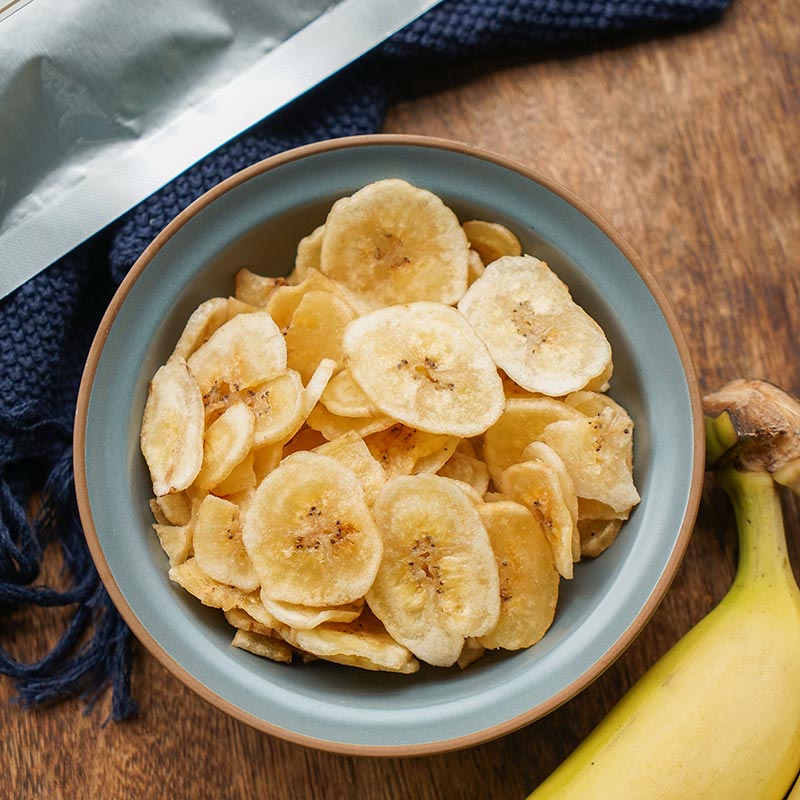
[46, 326]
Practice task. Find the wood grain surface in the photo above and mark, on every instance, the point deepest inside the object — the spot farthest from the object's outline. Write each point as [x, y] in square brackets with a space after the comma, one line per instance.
[689, 145]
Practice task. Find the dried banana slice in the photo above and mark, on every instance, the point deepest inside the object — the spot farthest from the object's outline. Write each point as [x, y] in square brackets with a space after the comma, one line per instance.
[351, 450]
[278, 407]
[438, 581]
[253, 289]
[309, 254]
[401, 450]
[528, 578]
[362, 643]
[172, 429]
[265, 459]
[536, 486]
[242, 620]
[305, 439]
[423, 365]
[468, 469]
[344, 397]
[227, 442]
[597, 535]
[267, 646]
[332, 426]
[218, 548]
[240, 479]
[176, 508]
[315, 331]
[475, 267]
[175, 541]
[246, 351]
[208, 591]
[596, 451]
[491, 240]
[309, 533]
[304, 618]
[283, 302]
[535, 332]
[392, 242]
[473, 650]
[523, 421]
[205, 319]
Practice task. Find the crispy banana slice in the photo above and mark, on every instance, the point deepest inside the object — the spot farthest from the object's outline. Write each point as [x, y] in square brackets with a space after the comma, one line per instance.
[473, 650]
[309, 533]
[594, 509]
[344, 397]
[475, 267]
[332, 426]
[491, 240]
[401, 450]
[536, 486]
[237, 306]
[270, 647]
[278, 407]
[227, 442]
[305, 439]
[535, 332]
[265, 459]
[284, 301]
[176, 508]
[601, 382]
[315, 331]
[351, 450]
[205, 319]
[528, 578]
[240, 479]
[597, 535]
[423, 365]
[468, 469]
[172, 429]
[593, 404]
[363, 643]
[208, 591]
[242, 620]
[175, 541]
[438, 581]
[218, 548]
[392, 242]
[304, 618]
[246, 351]
[523, 421]
[253, 289]
[596, 451]
[309, 254]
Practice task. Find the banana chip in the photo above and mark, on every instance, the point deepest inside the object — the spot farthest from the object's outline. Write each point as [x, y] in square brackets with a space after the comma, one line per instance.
[278, 407]
[535, 332]
[304, 618]
[536, 486]
[528, 578]
[176, 508]
[597, 535]
[175, 541]
[254, 289]
[240, 479]
[423, 365]
[523, 421]
[392, 242]
[438, 582]
[227, 442]
[309, 254]
[316, 331]
[242, 620]
[344, 398]
[246, 351]
[205, 319]
[362, 643]
[172, 429]
[596, 451]
[401, 450]
[332, 426]
[208, 591]
[466, 468]
[270, 647]
[309, 533]
[491, 240]
[218, 548]
[351, 450]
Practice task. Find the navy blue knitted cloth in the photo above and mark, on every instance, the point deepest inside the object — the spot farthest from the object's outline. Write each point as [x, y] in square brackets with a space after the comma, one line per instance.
[46, 326]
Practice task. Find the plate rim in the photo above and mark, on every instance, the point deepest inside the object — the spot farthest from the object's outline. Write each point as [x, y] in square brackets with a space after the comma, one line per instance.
[484, 734]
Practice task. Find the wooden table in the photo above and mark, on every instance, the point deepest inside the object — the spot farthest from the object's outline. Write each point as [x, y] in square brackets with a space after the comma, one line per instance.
[690, 146]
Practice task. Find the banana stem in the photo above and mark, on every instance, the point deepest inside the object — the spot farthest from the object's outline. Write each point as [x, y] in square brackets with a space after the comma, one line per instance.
[763, 557]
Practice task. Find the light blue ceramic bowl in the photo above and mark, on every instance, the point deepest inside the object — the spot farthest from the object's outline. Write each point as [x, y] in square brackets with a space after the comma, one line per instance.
[255, 219]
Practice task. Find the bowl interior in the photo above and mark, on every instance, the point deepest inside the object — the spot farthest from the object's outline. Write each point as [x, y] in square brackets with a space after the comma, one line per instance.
[257, 223]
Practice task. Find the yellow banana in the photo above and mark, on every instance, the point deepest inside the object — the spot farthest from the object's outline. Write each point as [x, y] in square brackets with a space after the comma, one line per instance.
[718, 716]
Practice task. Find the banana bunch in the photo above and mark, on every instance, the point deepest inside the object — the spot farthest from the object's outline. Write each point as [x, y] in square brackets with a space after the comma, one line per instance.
[718, 716]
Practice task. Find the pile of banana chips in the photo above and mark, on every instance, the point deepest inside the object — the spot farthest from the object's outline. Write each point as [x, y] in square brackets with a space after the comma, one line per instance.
[394, 454]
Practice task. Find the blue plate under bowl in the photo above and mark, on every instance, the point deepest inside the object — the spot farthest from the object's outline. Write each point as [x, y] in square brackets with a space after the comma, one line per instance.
[255, 219]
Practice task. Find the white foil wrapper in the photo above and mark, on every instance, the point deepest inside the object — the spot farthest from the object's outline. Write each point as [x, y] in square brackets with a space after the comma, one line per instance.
[102, 103]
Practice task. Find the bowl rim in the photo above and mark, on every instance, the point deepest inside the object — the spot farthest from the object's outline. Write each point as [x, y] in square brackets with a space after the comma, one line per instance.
[485, 734]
